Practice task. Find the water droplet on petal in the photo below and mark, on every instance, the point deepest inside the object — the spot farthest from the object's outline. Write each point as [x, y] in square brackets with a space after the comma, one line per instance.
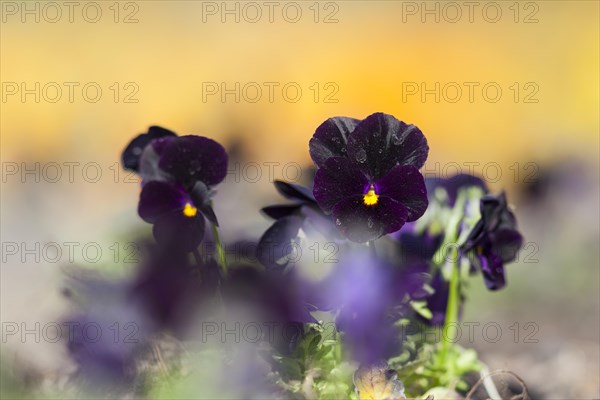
[361, 156]
[338, 222]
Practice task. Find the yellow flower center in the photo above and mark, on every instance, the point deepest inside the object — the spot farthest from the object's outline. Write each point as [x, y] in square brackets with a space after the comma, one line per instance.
[371, 198]
[189, 210]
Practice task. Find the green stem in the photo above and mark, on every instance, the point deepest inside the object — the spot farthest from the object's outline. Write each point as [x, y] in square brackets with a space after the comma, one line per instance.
[440, 257]
[220, 251]
[452, 307]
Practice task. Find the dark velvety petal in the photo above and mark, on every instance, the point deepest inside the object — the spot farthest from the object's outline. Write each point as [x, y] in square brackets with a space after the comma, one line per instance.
[493, 270]
[275, 245]
[159, 198]
[330, 138]
[491, 207]
[201, 197]
[506, 243]
[132, 153]
[338, 179]
[294, 192]
[496, 214]
[475, 237]
[361, 223]
[179, 231]
[281, 211]
[380, 142]
[194, 158]
[404, 183]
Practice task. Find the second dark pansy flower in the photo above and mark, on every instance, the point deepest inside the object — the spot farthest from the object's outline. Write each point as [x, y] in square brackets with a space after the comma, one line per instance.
[377, 187]
[178, 174]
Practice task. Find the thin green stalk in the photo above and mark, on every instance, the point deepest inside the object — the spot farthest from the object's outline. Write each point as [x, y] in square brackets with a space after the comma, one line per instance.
[452, 307]
[220, 251]
[450, 240]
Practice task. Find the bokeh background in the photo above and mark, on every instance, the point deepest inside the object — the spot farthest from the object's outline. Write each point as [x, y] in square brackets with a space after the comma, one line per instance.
[161, 62]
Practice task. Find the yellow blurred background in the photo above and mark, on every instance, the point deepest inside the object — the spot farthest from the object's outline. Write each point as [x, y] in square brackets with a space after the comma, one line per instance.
[437, 65]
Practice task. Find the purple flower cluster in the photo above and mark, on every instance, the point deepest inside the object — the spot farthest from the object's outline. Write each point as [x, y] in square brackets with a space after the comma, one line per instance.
[367, 185]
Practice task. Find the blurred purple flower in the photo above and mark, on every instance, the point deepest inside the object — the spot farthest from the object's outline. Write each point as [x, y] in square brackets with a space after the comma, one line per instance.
[370, 295]
[105, 333]
[171, 291]
[368, 176]
[271, 297]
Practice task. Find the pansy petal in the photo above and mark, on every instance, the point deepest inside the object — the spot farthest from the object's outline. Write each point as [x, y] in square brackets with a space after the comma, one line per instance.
[275, 246]
[493, 270]
[281, 211]
[132, 153]
[506, 243]
[194, 158]
[404, 183]
[330, 138]
[294, 192]
[380, 142]
[179, 231]
[338, 179]
[159, 198]
[361, 223]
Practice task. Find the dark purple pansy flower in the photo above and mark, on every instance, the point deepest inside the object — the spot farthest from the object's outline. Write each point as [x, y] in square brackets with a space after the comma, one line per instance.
[133, 152]
[178, 174]
[493, 241]
[376, 187]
